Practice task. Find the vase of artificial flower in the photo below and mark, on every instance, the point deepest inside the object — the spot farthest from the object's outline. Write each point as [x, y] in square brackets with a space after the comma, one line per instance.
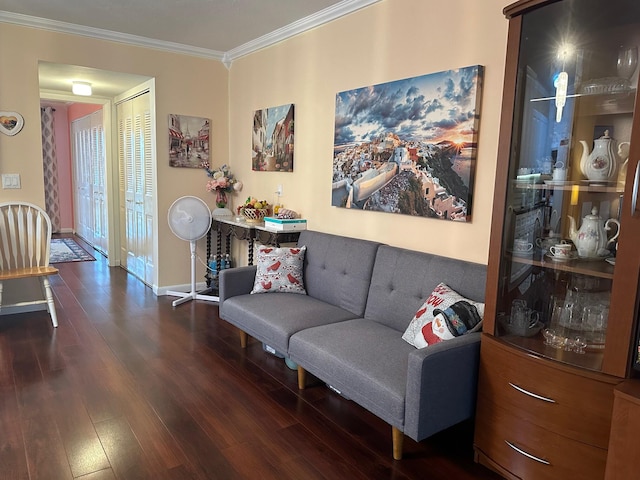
[221, 182]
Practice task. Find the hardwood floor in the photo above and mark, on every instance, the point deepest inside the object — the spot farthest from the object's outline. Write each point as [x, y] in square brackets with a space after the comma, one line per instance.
[128, 387]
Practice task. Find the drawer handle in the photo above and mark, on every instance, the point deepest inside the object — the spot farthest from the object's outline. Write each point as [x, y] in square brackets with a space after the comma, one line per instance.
[531, 394]
[528, 455]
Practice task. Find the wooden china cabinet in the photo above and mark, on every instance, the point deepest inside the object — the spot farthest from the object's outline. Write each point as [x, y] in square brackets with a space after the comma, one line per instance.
[560, 322]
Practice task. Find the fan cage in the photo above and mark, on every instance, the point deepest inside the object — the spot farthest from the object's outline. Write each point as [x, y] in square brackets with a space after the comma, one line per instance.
[189, 218]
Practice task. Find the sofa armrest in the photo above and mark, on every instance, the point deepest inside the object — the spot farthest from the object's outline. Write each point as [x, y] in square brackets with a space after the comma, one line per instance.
[442, 382]
[236, 281]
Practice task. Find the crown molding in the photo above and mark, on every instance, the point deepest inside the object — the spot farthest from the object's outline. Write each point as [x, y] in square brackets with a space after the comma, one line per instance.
[73, 29]
[323, 16]
[329, 14]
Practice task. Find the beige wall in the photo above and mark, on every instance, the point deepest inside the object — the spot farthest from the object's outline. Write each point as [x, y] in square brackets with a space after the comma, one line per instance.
[391, 40]
[184, 85]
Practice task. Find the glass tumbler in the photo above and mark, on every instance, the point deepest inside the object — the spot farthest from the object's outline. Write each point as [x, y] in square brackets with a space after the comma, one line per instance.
[627, 61]
[599, 332]
[519, 320]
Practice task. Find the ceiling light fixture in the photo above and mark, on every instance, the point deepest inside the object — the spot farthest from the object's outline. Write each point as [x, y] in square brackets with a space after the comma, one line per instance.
[81, 88]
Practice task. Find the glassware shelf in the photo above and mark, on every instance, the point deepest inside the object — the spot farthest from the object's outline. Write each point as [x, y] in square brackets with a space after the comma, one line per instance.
[581, 186]
[595, 268]
[605, 103]
[591, 359]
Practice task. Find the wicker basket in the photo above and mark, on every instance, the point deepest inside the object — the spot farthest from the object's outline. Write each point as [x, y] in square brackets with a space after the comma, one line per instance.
[254, 215]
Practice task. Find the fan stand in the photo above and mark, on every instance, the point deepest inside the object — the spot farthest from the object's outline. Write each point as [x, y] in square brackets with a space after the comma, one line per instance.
[193, 295]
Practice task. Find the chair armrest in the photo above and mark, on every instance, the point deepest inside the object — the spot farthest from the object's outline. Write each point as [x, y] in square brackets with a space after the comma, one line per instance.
[236, 281]
[442, 381]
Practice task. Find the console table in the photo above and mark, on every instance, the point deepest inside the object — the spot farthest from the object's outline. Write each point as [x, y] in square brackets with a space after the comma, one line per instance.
[227, 227]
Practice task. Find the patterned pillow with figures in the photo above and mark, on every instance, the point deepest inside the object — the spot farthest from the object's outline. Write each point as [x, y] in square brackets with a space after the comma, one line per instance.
[280, 270]
[445, 314]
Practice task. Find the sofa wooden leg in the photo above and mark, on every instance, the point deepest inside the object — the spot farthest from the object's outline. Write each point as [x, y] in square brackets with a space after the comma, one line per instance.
[302, 378]
[244, 336]
[397, 439]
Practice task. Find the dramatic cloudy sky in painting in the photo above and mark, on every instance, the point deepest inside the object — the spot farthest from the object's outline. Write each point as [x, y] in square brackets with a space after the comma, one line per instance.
[431, 108]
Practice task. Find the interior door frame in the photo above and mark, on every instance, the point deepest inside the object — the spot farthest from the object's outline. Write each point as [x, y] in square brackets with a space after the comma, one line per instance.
[108, 121]
[111, 153]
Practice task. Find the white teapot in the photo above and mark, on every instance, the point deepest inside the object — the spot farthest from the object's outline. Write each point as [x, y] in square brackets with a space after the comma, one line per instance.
[591, 240]
[601, 164]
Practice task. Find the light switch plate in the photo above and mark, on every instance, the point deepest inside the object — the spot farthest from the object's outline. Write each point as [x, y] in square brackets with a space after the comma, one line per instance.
[10, 180]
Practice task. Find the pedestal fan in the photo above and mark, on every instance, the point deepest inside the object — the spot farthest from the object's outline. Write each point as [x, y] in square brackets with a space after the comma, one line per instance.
[190, 220]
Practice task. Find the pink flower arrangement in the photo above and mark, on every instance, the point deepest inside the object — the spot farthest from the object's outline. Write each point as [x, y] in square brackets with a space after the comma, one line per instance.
[221, 182]
[221, 179]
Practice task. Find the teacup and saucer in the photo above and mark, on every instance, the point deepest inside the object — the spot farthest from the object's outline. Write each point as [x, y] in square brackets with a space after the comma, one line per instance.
[522, 247]
[561, 252]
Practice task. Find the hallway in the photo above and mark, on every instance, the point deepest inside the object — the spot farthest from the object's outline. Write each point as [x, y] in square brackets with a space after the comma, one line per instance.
[128, 387]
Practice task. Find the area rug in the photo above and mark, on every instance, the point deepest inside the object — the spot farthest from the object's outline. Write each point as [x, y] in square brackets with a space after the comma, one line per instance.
[67, 250]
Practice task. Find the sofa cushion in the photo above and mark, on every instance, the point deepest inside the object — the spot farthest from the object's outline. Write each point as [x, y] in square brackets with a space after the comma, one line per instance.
[423, 328]
[402, 279]
[279, 270]
[273, 318]
[365, 360]
[338, 269]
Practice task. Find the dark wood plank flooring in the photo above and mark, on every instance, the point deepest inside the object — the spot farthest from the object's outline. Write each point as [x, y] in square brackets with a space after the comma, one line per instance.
[129, 387]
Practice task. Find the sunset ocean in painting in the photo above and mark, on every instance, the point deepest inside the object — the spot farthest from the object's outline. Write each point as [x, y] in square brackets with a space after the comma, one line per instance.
[409, 146]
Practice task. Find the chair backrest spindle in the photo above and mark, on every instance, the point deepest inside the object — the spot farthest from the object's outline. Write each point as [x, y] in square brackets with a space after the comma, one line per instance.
[4, 242]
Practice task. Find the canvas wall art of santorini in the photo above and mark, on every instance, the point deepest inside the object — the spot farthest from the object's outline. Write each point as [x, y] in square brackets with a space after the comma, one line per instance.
[409, 146]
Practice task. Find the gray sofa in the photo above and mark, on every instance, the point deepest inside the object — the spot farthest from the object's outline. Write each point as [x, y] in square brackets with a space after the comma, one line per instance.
[347, 330]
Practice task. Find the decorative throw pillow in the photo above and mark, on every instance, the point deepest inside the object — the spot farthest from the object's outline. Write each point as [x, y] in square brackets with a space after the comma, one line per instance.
[435, 320]
[280, 270]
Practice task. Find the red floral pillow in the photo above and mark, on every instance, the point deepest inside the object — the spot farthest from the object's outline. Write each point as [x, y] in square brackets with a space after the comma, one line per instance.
[280, 270]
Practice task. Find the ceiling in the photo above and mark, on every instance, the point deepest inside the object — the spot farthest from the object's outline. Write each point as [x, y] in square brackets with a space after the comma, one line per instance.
[205, 27]
[218, 29]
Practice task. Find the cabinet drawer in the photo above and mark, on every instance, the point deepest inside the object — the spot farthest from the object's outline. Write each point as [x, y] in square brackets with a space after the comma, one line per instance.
[532, 451]
[555, 399]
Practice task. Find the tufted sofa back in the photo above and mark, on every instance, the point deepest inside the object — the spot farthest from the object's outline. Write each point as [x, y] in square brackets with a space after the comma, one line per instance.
[403, 279]
[337, 269]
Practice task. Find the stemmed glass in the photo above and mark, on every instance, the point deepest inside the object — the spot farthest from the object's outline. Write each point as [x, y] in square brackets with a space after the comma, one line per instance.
[550, 335]
[579, 344]
[568, 344]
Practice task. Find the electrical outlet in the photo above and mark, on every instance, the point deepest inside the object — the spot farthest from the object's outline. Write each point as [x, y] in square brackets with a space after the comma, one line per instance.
[279, 190]
[10, 180]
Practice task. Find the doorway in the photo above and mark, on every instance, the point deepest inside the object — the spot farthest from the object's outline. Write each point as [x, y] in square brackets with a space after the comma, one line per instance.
[55, 84]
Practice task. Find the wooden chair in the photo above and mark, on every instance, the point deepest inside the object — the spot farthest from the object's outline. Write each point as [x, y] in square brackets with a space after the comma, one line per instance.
[25, 242]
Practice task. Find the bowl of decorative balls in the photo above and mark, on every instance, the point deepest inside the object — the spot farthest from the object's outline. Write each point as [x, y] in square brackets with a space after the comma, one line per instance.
[254, 210]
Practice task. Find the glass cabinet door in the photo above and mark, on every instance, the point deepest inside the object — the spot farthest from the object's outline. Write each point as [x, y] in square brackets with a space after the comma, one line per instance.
[575, 94]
